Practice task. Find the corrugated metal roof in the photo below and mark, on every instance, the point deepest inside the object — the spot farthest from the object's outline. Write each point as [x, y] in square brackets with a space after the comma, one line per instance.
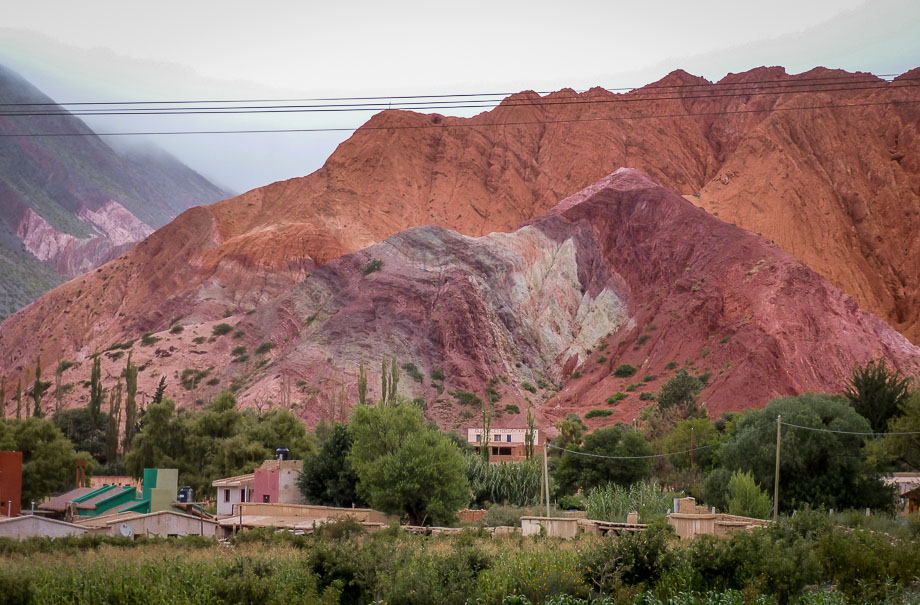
[234, 481]
[58, 504]
[92, 502]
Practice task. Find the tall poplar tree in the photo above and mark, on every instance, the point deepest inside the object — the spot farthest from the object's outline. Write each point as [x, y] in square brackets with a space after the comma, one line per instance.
[130, 374]
[111, 433]
[95, 389]
[38, 390]
[19, 400]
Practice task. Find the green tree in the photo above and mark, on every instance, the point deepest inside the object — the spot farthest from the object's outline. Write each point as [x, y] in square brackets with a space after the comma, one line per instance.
[678, 395]
[530, 436]
[389, 379]
[746, 498]
[485, 447]
[877, 393]
[47, 457]
[611, 455]
[161, 390]
[161, 442]
[280, 428]
[900, 449]
[693, 433]
[19, 399]
[405, 466]
[362, 384]
[817, 467]
[83, 431]
[571, 430]
[38, 390]
[112, 426]
[95, 388]
[327, 477]
[130, 374]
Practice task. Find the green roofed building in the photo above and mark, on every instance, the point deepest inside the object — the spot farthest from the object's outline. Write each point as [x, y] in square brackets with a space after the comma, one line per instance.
[160, 488]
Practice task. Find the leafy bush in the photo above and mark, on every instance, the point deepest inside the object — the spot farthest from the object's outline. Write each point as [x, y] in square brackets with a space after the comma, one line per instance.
[177, 329]
[500, 515]
[646, 396]
[642, 339]
[671, 365]
[746, 498]
[437, 374]
[199, 340]
[148, 339]
[602, 359]
[467, 398]
[575, 374]
[237, 351]
[221, 329]
[512, 409]
[639, 558]
[616, 397]
[528, 387]
[372, 266]
[191, 377]
[239, 334]
[598, 413]
[624, 371]
[265, 347]
[413, 371]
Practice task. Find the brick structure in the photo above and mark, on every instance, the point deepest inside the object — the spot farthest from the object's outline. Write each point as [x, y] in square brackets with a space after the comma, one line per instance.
[10, 483]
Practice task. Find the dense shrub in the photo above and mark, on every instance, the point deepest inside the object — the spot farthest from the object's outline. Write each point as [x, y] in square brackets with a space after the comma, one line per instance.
[598, 413]
[265, 347]
[221, 329]
[372, 266]
[624, 371]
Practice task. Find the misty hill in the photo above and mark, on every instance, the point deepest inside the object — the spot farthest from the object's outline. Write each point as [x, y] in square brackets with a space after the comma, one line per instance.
[71, 203]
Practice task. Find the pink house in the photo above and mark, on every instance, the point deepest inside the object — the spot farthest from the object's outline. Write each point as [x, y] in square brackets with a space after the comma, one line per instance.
[276, 482]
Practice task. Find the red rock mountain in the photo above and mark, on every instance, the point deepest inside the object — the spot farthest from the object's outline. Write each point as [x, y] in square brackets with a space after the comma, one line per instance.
[506, 166]
[71, 203]
[623, 272]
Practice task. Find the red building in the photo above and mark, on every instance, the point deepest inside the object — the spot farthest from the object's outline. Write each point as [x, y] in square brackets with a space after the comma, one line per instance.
[10, 483]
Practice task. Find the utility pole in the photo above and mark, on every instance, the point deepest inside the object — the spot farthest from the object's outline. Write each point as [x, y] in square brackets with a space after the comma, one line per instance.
[779, 424]
[691, 450]
[546, 479]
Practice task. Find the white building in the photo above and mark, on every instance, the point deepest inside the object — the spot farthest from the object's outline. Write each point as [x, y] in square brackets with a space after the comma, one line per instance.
[232, 491]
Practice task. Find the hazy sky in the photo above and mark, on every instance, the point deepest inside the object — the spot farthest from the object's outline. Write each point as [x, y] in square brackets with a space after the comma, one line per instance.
[113, 51]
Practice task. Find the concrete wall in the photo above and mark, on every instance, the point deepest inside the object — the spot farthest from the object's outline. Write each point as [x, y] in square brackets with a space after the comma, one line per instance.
[308, 512]
[164, 525]
[10, 483]
[555, 527]
[34, 525]
[689, 525]
[97, 481]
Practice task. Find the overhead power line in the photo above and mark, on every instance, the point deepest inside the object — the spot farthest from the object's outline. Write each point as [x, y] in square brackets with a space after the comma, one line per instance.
[562, 449]
[465, 124]
[190, 109]
[870, 434]
[715, 85]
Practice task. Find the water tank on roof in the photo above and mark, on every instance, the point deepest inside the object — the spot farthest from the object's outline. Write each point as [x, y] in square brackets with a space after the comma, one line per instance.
[282, 453]
[186, 495]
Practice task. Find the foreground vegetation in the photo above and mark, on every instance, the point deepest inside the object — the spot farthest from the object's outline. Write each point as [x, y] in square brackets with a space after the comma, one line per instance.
[806, 559]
